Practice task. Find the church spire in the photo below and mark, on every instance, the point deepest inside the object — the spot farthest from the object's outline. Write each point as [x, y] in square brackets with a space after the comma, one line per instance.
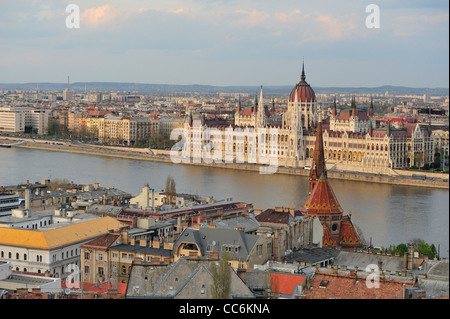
[353, 106]
[318, 167]
[303, 77]
[371, 107]
[334, 111]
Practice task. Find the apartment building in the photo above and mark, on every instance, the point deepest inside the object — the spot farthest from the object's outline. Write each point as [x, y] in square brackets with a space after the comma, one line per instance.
[23, 120]
[118, 129]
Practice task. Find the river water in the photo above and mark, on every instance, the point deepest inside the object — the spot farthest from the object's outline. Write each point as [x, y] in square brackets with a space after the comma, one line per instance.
[386, 214]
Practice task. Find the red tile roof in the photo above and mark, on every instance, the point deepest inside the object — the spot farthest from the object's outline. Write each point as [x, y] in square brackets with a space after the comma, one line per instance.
[284, 284]
[97, 288]
[322, 200]
[247, 112]
[271, 216]
[348, 235]
[102, 242]
[341, 286]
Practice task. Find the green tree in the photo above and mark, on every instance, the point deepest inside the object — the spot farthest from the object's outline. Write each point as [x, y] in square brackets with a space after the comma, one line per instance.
[53, 128]
[220, 288]
[401, 248]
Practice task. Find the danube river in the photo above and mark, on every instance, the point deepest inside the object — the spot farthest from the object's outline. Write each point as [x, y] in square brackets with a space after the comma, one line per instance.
[386, 214]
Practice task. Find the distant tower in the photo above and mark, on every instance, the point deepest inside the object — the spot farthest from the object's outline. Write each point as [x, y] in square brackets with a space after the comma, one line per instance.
[318, 167]
[67, 93]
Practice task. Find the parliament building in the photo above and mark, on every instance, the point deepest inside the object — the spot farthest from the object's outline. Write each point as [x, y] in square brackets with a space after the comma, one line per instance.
[351, 139]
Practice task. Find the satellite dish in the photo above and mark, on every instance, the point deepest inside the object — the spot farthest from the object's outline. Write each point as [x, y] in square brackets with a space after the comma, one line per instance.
[67, 291]
[213, 243]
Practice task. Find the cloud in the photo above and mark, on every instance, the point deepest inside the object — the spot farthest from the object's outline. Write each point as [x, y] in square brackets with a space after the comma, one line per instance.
[290, 17]
[336, 29]
[252, 18]
[100, 15]
[178, 11]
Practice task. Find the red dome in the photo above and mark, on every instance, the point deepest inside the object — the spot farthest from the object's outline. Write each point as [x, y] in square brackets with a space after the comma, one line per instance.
[304, 92]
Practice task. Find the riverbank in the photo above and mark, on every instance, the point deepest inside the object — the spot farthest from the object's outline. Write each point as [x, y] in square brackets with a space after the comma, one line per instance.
[145, 155]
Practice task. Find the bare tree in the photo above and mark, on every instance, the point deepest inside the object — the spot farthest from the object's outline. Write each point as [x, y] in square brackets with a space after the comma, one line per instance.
[170, 191]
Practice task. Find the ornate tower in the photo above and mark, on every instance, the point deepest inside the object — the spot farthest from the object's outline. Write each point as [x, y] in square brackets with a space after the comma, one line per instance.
[318, 167]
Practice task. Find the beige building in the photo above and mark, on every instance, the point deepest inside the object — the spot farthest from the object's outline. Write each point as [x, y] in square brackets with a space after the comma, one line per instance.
[167, 125]
[117, 129]
[110, 257]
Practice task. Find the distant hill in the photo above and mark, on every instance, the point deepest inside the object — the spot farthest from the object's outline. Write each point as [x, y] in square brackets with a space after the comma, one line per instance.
[172, 88]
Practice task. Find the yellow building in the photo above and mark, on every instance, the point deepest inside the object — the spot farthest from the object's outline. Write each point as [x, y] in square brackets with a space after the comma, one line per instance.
[54, 248]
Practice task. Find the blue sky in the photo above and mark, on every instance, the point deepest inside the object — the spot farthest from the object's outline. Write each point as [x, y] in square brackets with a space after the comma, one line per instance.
[229, 42]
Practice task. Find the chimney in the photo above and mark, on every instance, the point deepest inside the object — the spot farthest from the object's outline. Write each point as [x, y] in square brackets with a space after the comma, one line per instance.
[28, 199]
[124, 235]
[143, 243]
[410, 256]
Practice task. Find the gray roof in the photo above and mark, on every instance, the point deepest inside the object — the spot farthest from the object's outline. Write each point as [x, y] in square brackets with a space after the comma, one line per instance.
[362, 260]
[213, 239]
[249, 224]
[187, 279]
[434, 288]
[313, 255]
[438, 270]
[104, 209]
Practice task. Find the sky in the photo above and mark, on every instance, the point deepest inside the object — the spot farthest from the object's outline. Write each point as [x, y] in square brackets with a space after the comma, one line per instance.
[227, 42]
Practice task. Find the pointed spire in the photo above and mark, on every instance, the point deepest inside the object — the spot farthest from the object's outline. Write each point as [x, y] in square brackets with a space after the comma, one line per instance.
[353, 106]
[238, 109]
[255, 105]
[303, 77]
[334, 111]
[371, 106]
[318, 167]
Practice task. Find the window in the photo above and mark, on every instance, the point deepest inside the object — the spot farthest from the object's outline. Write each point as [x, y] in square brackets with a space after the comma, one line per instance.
[101, 271]
[100, 257]
[87, 255]
[259, 250]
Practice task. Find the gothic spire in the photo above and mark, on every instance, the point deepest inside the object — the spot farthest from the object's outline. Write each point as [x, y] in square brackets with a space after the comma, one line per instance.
[334, 111]
[318, 167]
[371, 106]
[303, 77]
[353, 106]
